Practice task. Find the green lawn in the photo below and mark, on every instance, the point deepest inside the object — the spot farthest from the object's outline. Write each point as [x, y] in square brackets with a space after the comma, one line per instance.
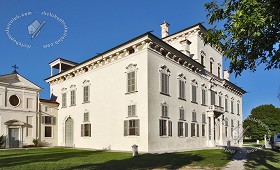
[60, 158]
[263, 159]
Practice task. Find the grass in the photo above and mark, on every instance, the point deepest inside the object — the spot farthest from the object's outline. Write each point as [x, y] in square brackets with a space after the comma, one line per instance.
[254, 144]
[263, 159]
[66, 159]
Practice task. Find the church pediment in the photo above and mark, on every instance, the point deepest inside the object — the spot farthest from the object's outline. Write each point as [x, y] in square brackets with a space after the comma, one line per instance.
[17, 80]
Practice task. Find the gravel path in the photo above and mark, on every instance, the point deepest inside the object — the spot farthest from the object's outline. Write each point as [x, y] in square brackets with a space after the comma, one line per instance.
[238, 160]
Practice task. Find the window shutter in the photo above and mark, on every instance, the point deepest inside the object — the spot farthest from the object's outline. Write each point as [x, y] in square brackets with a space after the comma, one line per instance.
[193, 93]
[125, 127]
[160, 128]
[129, 110]
[82, 130]
[166, 84]
[197, 126]
[43, 119]
[53, 120]
[89, 130]
[169, 128]
[162, 82]
[133, 81]
[137, 127]
[133, 110]
[178, 128]
[186, 130]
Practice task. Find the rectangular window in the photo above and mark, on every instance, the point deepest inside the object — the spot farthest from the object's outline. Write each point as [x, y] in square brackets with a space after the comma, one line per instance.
[213, 97]
[211, 67]
[203, 92]
[169, 128]
[203, 118]
[131, 110]
[162, 127]
[181, 89]
[186, 130]
[231, 106]
[226, 104]
[63, 99]
[29, 126]
[86, 117]
[194, 93]
[197, 130]
[203, 130]
[164, 111]
[29, 103]
[180, 129]
[132, 127]
[192, 129]
[86, 94]
[131, 81]
[182, 114]
[73, 97]
[220, 101]
[86, 130]
[48, 131]
[164, 83]
[202, 60]
[48, 120]
[194, 116]
[238, 109]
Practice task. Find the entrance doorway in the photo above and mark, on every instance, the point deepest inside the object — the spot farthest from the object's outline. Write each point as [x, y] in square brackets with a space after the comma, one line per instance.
[13, 137]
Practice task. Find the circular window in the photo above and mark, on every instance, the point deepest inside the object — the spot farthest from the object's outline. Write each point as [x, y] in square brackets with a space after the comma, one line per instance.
[14, 100]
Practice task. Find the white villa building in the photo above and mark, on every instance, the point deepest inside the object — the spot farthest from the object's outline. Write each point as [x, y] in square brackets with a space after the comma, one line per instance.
[162, 94]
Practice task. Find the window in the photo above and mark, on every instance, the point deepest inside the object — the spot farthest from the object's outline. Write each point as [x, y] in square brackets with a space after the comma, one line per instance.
[193, 116]
[63, 99]
[180, 129]
[73, 97]
[86, 130]
[203, 92]
[48, 120]
[181, 89]
[213, 97]
[192, 129]
[238, 109]
[29, 128]
[131, 81]
[211, 67]
[203, 118]
[186, 130]
[182, 114]
[202, 60]
[86, 94]
[164, 83]
[86, 117]
[162, 127]
[231, 106]
[197, 130]
[203, 130]
[14, 100]
[219, 72]
[194, 93]
[220, 100]
[131, 110]
[226, 104]
[164, 110]
[48, 131]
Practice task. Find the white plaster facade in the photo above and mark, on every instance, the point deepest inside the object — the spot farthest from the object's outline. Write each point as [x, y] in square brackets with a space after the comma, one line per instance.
[110, 96]
[18, 110]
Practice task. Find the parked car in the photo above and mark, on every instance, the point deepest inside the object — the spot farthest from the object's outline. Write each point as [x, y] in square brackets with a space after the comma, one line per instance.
[275, 141]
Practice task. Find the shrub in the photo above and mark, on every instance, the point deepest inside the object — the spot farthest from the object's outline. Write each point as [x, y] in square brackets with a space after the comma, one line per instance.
[36, 142]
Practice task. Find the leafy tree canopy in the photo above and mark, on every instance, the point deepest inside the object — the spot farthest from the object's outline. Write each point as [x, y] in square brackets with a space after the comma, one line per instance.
[263, 120]
[250, 34]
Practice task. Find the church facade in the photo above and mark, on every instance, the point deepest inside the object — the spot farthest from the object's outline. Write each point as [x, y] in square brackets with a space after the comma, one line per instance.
[19, 100]
[161, 94]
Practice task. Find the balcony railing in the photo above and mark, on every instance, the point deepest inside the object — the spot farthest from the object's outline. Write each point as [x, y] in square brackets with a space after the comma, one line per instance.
[214, 108]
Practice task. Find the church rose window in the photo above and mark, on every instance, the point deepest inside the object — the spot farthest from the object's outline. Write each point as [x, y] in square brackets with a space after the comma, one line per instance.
[14, 100]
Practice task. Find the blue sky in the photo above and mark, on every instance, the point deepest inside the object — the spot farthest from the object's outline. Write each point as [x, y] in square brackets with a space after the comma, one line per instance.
[96, 26]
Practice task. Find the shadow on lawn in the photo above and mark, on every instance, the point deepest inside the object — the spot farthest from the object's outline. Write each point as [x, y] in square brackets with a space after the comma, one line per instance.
[146, 161]
[262, 157]
[11, 160]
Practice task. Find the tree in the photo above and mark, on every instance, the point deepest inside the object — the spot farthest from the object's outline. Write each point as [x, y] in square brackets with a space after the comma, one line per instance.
[263, 120]
[250, 34]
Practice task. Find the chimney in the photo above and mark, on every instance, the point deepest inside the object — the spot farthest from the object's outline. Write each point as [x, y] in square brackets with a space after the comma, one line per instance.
[164, 29]
[226, 74]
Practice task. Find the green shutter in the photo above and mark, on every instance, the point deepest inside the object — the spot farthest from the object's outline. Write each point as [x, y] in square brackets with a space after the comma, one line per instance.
[82, 130]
